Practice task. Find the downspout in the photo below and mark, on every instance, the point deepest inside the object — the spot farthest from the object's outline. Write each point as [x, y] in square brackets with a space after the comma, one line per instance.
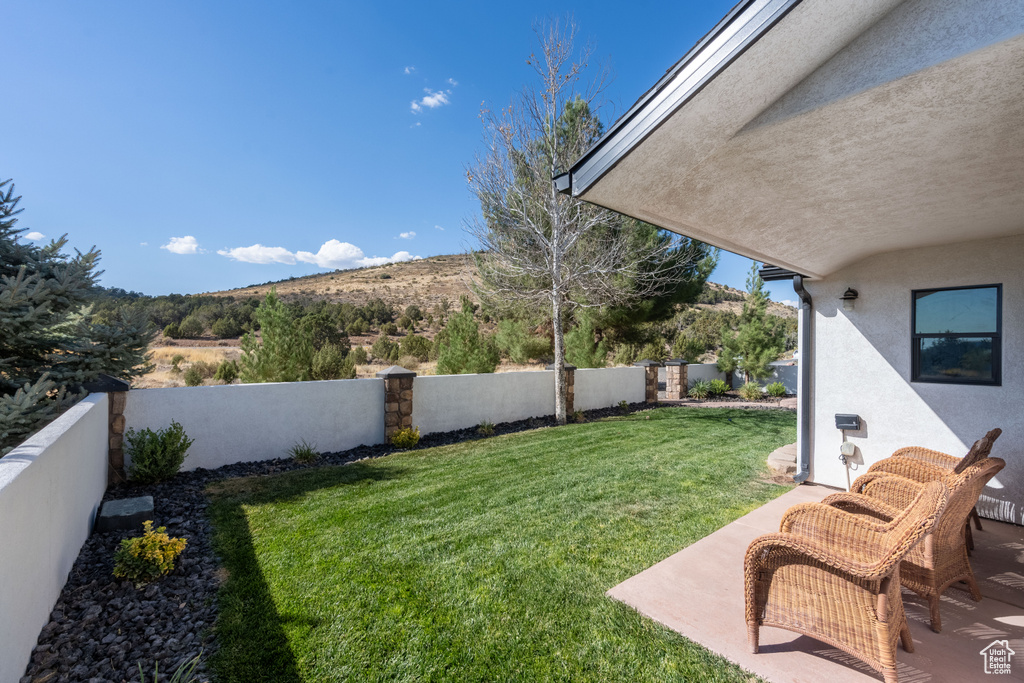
[803, 458]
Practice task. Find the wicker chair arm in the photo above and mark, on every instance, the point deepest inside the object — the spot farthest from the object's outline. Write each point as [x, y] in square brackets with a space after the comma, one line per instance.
[911, 468]
[927, 455]
[858, 504]
[817, 521]
[810, 549]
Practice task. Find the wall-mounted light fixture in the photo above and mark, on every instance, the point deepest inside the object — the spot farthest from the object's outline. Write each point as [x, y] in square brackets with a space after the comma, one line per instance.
[848, 297]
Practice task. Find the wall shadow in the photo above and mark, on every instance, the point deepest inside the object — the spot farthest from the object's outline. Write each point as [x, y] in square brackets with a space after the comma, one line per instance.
[251, 634]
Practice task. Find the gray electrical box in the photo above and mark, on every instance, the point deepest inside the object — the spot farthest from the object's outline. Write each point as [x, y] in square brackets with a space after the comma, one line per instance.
[850, 423]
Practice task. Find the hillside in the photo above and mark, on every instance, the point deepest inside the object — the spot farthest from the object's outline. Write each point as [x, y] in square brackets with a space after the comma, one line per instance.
[423, 282]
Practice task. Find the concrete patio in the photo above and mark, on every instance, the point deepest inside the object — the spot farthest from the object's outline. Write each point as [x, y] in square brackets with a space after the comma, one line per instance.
[698, 592]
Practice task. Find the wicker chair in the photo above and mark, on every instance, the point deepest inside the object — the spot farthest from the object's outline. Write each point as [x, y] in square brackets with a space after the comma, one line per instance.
[834, 576]
[940, 561]
[981, 449]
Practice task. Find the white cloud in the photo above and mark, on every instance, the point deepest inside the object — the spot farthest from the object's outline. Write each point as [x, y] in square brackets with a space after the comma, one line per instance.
[35, 236]
[407, 235]
[438, 227]
[790, 302]
[335, 254]
[409, 70]
[452, 82]
[143, 244]
[183, 245]
[258, 253]
[432, 100]
[332, 254]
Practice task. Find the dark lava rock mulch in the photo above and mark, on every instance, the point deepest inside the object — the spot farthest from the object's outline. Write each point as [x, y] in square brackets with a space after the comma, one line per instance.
[102, 627]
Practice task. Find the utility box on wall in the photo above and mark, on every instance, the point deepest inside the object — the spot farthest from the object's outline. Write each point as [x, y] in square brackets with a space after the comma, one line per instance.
[848, 422]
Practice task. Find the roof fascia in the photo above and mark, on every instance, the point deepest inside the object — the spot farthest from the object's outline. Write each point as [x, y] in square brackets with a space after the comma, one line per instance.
[740, 29]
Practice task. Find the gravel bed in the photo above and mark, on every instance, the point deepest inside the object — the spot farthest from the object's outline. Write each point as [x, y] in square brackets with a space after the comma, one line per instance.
[101, 627]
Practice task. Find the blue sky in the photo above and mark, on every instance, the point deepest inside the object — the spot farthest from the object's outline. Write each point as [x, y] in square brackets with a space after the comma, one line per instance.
[179, 136]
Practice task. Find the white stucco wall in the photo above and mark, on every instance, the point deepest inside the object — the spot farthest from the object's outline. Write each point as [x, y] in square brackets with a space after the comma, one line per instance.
[703, 371]
[50, 489]
[442, 403]
[861, 364]
[605, 387]
[248, 422]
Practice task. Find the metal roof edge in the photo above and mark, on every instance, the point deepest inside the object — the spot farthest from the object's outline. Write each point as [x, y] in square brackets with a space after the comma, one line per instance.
[730, 38]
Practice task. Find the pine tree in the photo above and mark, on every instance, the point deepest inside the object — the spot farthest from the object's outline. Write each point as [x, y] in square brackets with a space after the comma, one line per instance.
[462, 350]
[756, 343]
[282, 353]
[50, 343]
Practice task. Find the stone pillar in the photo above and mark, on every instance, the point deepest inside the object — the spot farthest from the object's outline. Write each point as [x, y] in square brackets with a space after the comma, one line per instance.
[117, 398]
[570, 387]
[675, 379]
[397, 398]
[651, 379]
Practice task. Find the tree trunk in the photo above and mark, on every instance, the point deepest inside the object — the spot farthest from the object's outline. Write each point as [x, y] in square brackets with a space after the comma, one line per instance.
[560, 388]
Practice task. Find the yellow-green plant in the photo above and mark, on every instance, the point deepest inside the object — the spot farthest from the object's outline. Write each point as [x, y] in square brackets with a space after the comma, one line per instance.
[718, 387]
[146, 558]
[776, 389]
[485, 428]
[406, 438]
[751, 391]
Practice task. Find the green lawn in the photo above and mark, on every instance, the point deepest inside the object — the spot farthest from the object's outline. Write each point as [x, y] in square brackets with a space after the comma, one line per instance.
[485, 561]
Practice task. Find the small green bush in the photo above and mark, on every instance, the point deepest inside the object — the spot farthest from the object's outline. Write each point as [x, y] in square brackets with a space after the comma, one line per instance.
[415, 345]
[485, 428]
[358, 356]
[304, 452]
[227, 371]
[206, 369]
[191, 327]
[330, 362]
[624, 407]
[226, 328]
[579, 417]
[193, 377]
[700, 389]
[389, 329]
[776, 389]
[185, 673]
[654, 351]
[148, 557]
[751, 391]
[176, 362]
[718, 387]
[409, 362]
[156, 455]
[406, 438]
[384, 349]
[172, 331]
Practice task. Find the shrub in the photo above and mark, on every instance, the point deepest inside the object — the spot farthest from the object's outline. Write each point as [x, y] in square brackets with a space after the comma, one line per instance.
[148, 557]
[776, 389]
[227, 371]
[206, 369]
[415, 345]
[581, 346]
[408, 362]
[389, 329]
[176, 361]
[172, 331]
[358, 356]
[193, 377]
[461, 348]
[751, 391]
[654, 351]
[579, 417]
[156, 455]
[384, 349]
[700, 389]
[687, 347]
[406, 438]
[485, 428]
[330, 363]
[226, 328]
[356, 328]
[406, 323]
[718, 387]
[185, 673]
[304, 452]
[191, 327]
[624, 407]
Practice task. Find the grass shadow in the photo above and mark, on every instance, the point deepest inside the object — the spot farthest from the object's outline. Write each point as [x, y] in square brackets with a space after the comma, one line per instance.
[252, 634]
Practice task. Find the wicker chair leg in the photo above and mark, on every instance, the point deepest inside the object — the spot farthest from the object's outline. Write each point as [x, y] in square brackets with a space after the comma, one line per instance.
[905, 640]
[973, 586]
[976, 518]
[753, 636]
[969, 537]
[890, 676]
[933, 607]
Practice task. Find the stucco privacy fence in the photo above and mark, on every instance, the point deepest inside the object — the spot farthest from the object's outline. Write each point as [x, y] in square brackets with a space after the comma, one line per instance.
[51, 485]
[785, 371]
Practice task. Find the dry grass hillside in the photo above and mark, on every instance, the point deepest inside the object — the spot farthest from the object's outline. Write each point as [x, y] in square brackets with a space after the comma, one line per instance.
[424, 282]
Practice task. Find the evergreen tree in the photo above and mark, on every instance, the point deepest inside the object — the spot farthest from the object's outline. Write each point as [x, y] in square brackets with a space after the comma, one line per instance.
[282, 353]
[462, 350]
[582, 349]
[51, 344]
[757, 342]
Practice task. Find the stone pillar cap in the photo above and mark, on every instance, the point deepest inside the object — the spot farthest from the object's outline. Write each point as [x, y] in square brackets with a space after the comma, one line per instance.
[647, 364]
[567, 366]
[676, 361]
[395, 372]
[105, 384]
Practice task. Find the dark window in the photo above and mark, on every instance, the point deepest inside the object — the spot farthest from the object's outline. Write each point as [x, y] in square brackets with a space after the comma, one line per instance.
[957, 335]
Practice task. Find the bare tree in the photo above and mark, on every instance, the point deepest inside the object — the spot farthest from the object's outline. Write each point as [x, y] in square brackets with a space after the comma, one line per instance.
[536, 246]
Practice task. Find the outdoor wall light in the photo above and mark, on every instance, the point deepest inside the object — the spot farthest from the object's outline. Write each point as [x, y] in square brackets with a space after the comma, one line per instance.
[848, 297]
